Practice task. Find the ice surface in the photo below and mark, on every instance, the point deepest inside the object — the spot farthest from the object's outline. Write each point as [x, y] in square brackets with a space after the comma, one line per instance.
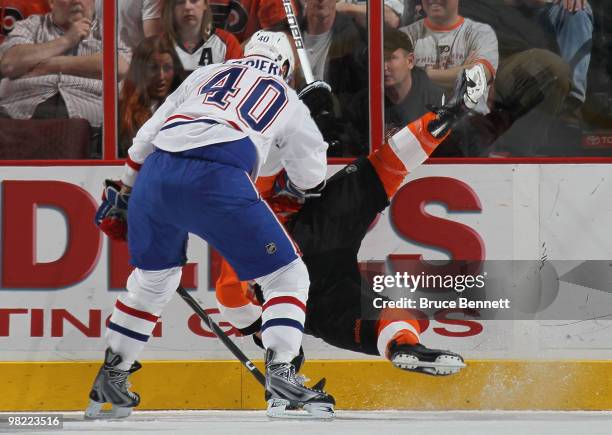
[346, 422]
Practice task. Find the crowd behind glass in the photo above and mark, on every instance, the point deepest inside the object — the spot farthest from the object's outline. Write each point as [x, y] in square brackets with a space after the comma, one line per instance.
[547, 62]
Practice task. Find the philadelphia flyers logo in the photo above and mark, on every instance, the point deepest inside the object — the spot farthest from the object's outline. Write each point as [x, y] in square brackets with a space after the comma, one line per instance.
[237, 20]
[10, 16]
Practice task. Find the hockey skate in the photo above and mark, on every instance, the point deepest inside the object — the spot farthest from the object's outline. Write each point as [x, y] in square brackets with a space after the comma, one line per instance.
[418, 358]
[111, 386]
[287, 392]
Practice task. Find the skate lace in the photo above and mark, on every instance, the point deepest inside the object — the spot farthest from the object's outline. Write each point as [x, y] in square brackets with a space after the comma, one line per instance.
[287, 371]
[121, 380]
[301, 379]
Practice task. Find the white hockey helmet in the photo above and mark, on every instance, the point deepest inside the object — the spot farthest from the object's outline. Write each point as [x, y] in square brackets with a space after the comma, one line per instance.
[274, 46]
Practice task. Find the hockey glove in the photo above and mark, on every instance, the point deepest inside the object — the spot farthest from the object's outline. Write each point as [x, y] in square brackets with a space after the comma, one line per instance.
[284, 187]
[318, 98]
[111, 216]
[470, 87]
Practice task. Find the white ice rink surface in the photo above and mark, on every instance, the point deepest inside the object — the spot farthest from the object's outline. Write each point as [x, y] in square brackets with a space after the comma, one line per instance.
[346, 422]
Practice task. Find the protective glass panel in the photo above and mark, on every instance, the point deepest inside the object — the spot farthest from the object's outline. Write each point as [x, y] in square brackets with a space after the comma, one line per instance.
[547, 63]
[51, 87]
[336, 40]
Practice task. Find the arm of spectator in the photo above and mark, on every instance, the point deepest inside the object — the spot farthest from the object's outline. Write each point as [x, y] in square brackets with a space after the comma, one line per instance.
[23, 55]
[82, 66]
[151, 27]
[359, 13]
[444, 78]
[392, 19]
[22, 59]
[151, 17]
[447, 78]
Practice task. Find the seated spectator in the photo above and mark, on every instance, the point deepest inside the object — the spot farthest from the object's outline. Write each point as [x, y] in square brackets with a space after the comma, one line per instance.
[408, 90]
[136, 19]
[154, 73]
[445, 43]
[242, 18]
[408, 93]
[188, 25]
[572, 25]
[12, 11]
[527, 54]
[392, 13]
[52, 66]
[336, 47]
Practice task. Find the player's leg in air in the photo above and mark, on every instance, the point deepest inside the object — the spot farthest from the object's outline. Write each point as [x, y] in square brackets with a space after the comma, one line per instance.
[329, 231]
[349, 204]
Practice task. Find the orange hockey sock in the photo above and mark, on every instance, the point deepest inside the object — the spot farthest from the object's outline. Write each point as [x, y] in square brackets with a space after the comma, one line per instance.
[396, 324]
[389, 168]
[404, 151]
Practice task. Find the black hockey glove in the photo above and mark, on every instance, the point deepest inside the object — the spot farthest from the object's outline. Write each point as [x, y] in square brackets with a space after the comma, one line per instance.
[318, 98]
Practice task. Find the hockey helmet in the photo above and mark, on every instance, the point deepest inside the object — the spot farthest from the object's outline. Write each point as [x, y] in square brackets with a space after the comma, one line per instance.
[274, 46]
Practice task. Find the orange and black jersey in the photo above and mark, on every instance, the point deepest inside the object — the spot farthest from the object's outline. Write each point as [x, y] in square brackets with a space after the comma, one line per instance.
[12, 11]
[245, 17]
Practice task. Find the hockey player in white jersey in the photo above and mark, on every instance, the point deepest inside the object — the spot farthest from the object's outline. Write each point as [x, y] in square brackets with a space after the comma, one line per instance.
[192, 167]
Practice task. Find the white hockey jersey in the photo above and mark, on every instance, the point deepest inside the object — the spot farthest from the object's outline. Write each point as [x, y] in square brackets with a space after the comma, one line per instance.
[221, 46]
[229, 101]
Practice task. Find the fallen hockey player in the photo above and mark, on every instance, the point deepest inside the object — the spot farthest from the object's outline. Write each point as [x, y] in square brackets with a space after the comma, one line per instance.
[329, 227]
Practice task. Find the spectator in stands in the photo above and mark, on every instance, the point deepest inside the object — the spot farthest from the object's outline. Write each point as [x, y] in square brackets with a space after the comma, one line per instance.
[392, 13]
[445, 43]
[12, 11]
[154, 73]
[408, 90]
[188, 25]
[572, 24]
[52, 65]
[136, 19]
[527, 53]
[336, 47]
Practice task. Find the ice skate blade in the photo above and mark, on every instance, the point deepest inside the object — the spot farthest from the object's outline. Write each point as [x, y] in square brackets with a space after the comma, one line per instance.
[94, 412]
[323, 411]
[444, 365]
[277, 409]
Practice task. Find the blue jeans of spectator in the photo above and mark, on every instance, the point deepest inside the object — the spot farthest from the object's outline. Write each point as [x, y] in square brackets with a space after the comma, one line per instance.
[574, 32]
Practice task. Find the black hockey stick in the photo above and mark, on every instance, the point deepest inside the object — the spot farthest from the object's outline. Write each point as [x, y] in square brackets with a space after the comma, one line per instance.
[221, 335]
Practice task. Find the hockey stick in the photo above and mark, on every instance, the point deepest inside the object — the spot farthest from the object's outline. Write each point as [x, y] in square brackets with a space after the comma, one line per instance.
[221, 335]
[299, 42]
